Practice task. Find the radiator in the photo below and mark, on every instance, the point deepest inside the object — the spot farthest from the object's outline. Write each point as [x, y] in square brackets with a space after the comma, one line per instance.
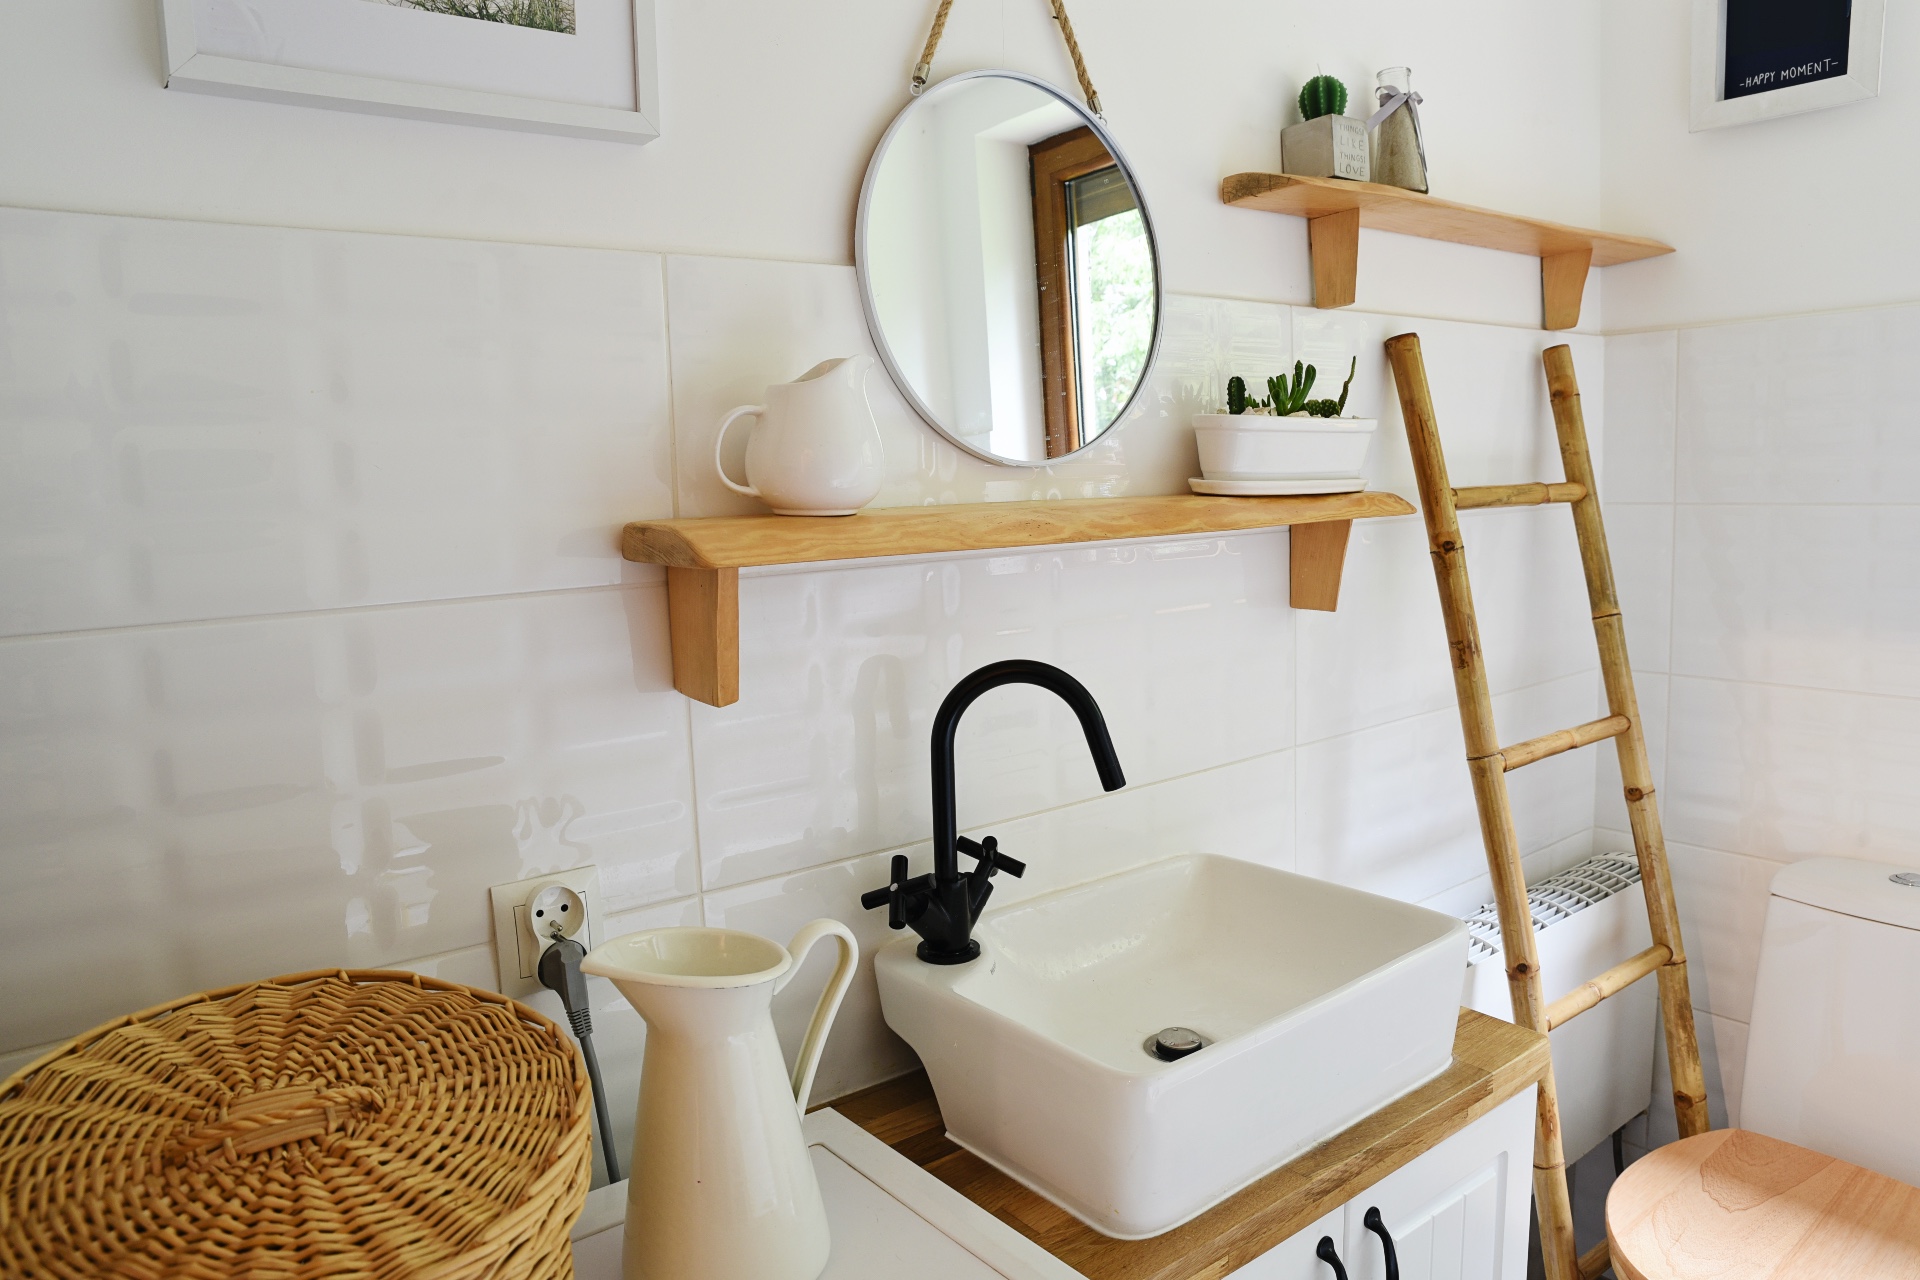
[1587, 919]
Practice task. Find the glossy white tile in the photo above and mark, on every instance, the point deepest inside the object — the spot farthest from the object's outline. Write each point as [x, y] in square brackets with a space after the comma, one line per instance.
[1390, 809]
[1788, 773]
[201, 421]
[1642, 384]
[1640, 542]
[259, 797]
[1811, 408]
[1821, 596]
[1242, 810]
[1187, 646]
[1723, 909]
[1383, 654]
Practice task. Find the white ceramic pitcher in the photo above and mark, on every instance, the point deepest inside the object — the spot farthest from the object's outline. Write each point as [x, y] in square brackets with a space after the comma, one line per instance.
[816, 449]
[721, 1186]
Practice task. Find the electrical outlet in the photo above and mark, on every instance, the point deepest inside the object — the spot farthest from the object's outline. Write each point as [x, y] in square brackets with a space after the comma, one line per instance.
[526, 915]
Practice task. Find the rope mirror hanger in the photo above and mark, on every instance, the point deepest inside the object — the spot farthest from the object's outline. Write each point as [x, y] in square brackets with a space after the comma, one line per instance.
[1059, 8]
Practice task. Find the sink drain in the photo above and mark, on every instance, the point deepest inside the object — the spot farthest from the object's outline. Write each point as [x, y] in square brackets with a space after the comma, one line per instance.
[1170, 1044]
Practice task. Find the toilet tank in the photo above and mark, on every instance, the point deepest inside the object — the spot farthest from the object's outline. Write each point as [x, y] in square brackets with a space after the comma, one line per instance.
[1833, 1058]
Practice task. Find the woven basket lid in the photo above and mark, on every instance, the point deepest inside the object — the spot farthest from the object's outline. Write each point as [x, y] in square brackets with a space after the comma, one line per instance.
[323, 1124]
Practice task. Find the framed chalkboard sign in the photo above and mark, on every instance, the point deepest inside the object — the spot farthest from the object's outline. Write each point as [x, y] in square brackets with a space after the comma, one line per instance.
[1756, 59]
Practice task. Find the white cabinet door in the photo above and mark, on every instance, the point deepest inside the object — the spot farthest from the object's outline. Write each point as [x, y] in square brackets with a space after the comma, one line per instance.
[1294, 1258]
[1459, 1212]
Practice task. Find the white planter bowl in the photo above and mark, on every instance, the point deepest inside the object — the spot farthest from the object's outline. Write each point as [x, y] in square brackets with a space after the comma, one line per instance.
[1259, 447]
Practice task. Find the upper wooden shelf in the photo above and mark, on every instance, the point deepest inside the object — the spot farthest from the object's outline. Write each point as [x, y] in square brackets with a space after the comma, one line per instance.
[704, 557]
[1336, 210]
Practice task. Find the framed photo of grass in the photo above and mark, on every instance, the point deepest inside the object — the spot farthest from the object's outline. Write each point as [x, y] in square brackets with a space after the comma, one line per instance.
[584, 68]
[1757, 59]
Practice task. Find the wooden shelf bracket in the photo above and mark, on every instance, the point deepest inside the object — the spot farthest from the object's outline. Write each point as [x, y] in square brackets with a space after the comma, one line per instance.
[703, 625]
[1335, 211]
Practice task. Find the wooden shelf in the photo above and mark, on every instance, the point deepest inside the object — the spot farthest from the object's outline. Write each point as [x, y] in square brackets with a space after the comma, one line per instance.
[1492, 1061]
[704, 557]
[1335, 211]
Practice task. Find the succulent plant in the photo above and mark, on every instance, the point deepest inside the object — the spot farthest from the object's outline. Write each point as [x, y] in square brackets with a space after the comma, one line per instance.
[1322, 96]
[1291, 397]
[1333, 408]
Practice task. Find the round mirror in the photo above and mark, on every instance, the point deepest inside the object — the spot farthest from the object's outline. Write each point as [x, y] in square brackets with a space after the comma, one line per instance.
[1007, 267]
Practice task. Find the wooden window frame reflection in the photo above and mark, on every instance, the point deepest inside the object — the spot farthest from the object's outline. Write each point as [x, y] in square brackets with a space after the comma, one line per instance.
[1055, 162]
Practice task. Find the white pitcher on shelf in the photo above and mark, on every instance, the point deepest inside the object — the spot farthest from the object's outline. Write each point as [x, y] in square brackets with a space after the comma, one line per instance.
[722, 1187]
[816, 449]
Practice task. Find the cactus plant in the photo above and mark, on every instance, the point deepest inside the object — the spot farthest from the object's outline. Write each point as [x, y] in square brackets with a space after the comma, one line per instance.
[1291, 397]
[1322, 96]
[1334, 408]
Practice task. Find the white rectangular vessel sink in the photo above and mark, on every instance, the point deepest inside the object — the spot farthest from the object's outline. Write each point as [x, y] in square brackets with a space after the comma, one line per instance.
[1318, 1005]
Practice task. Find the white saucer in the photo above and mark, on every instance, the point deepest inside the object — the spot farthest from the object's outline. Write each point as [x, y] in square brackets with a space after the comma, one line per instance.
[1277, 488]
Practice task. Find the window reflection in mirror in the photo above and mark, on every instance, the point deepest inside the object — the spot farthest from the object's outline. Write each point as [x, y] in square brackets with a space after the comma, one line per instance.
[1008, 268]
[1095, 283]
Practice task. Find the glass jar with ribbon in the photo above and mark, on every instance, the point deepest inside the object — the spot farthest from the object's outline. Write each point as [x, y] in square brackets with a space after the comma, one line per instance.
[1399, 152]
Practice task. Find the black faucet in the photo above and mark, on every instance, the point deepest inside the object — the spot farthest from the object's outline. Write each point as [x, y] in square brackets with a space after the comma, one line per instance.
[942, 906]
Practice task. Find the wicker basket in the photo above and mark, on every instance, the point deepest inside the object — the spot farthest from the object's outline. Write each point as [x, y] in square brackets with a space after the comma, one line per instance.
[331, 1124]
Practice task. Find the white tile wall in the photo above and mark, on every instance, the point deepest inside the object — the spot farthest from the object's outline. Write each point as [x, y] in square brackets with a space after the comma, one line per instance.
[1186, 645]
[1772, 466]
[1808, 409]
[1390, 809]
[384, 656]
[269, 795]
[1641, 386]
[203, 421]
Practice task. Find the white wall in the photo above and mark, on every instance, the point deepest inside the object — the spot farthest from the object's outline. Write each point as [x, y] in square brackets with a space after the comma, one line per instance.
[311, 622]
[770, 111]
[1759, 484]
[1804, 213]
[1761, 498]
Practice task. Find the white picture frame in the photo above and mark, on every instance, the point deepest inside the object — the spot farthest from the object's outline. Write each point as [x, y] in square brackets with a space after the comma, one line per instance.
[196, 61]
[1710, 110]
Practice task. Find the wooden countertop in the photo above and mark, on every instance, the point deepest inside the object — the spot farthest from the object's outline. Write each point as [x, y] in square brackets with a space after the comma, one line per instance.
[1492, 1061]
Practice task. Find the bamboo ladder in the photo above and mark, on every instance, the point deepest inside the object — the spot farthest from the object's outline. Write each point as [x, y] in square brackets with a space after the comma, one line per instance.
[1489, 764]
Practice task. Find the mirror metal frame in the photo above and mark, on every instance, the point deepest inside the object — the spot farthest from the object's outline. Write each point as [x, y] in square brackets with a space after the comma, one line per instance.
[860, 265]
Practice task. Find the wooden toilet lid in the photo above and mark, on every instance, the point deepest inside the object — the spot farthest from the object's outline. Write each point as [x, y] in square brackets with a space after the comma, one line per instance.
[1735, 1205]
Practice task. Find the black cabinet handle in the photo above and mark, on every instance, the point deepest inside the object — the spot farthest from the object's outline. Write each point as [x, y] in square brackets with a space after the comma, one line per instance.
[1331, 1257]
[1373, 1223]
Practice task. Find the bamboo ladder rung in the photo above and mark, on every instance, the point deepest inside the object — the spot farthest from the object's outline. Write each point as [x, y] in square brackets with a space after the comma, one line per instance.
[1516, 495]
[1547, 745]
[1611, 983]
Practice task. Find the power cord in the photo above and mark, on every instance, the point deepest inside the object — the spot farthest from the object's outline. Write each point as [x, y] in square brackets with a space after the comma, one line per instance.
[560, 972]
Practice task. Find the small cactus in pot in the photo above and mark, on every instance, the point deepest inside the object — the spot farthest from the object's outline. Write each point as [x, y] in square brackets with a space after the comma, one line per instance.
[1327, 143]
[1322, 96]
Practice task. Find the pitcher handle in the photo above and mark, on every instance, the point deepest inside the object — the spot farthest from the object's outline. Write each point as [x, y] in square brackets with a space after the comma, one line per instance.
[720, 437]
[809, 1060]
